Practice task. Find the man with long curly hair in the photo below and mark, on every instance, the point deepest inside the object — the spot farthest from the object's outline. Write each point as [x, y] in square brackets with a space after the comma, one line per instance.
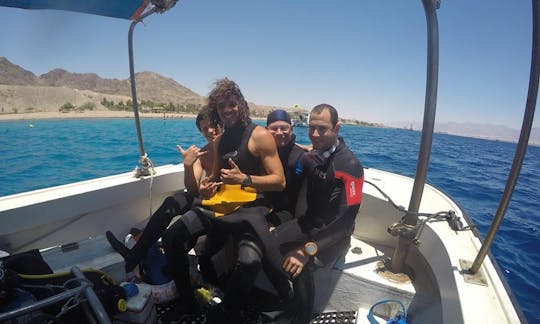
[246, 162]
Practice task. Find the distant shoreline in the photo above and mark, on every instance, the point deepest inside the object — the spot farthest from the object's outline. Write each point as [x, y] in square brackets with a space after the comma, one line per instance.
[90, 114]
[129, 114]
[95, 114]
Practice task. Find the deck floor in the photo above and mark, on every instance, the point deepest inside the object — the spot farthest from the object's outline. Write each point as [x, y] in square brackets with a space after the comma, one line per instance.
[354, 282]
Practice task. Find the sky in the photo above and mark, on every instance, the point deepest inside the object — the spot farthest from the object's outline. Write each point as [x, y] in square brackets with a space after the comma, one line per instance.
[366, 58]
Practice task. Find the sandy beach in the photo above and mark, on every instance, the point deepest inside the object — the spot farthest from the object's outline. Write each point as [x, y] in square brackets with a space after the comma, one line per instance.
[89, 114]
[96, 114]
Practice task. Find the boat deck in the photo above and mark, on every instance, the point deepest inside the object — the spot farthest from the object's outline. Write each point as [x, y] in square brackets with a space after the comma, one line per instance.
[357, 282]
[354, 282]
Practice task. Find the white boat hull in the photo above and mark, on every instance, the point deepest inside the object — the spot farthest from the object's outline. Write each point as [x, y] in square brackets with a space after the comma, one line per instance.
[438, 293]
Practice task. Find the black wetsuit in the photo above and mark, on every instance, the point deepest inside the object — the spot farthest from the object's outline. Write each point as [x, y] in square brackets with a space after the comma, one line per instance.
[284, 202]
[180, 237]
[252, 243]
[172, 206]
[334, 195]
[234, 144]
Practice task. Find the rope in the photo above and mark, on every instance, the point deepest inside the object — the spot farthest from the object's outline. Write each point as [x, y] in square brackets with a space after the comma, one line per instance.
[400, 208]
[400, 228]
[64, 286]
[145, 160]
[146, 169]
[71, 302]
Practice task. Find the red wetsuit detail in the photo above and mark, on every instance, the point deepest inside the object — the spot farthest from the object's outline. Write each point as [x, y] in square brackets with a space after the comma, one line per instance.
[353, 187]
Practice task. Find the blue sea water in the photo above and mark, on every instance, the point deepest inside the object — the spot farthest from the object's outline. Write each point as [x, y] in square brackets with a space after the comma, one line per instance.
[472, 171]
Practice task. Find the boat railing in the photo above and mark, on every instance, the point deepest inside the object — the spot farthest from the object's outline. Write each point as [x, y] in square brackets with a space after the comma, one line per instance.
[411, 218]
[521, 149]
[430, 7]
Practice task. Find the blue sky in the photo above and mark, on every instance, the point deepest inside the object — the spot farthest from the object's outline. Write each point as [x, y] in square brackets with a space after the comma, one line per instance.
[367, 58]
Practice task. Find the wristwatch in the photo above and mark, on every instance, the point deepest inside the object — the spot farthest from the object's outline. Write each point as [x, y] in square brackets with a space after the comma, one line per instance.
[247, 181]
[311, 248]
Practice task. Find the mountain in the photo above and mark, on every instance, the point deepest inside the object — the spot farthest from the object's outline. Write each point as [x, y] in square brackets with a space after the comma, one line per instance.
[83, 81]
[22, 90]
[476, 130]
[152, 86]
[487, 131]
[15, 75]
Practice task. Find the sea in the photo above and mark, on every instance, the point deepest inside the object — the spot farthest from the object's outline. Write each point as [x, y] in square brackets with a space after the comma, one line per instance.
[42, 153]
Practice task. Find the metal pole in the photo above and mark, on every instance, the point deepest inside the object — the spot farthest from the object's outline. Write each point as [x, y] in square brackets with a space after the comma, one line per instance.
[93, 300]
[85, 288]
[43, 303]
[430, 7]
[134, 88]
[522, 144]
[144, 168]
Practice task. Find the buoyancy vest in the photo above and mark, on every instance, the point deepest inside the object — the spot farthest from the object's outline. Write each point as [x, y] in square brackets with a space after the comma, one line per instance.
[234, 144]
[229, 198]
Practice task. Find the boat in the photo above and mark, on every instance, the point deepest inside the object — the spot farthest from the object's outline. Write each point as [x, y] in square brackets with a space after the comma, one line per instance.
[428, 258]
[299, 118]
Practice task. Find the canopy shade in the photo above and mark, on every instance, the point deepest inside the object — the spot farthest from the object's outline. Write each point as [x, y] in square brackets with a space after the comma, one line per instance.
[126, 9]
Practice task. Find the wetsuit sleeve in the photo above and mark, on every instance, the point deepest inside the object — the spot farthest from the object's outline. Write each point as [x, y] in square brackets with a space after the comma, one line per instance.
[343, 204]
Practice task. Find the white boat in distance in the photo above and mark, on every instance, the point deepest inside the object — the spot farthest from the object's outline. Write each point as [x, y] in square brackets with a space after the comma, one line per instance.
[299, 118]
[428, 256]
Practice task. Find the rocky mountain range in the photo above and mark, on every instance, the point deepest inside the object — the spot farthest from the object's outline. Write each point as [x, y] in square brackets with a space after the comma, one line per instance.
[22, 90]
[475, 130]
